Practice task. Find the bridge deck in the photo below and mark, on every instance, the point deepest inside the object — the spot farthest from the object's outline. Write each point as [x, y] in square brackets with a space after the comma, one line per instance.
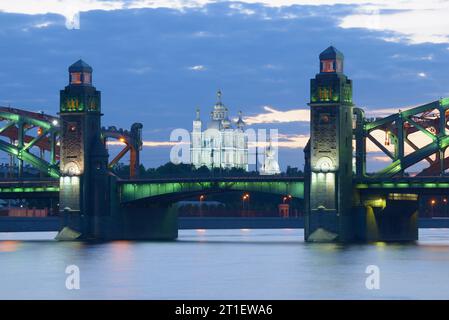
[176, 189]
[23, 188]
[405, 184]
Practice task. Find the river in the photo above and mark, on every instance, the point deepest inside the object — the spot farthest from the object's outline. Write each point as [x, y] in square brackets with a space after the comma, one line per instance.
[224, 264]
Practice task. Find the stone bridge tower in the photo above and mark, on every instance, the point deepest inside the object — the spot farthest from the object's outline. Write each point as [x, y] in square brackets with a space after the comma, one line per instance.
[85, 189]
[329, 168]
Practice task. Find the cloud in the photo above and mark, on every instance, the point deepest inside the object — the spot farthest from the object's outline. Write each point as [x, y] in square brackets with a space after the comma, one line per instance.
[159, 143]
[422, 75]
[41, 25]
[289, 141]
[206, 34]
[303, 115]
[199, 67]
[385, 112]
[284, 141]
[146, 143]
[417, 138]
[276, 116]
[240, 8]
[140, 70]
[68, 8]
[381, 158]
[293, 141]
[428, 57]
[413, 21]
[381, 113]
[270, 66]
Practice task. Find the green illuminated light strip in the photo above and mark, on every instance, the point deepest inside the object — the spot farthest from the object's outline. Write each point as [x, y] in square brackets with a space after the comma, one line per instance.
[403, 185]
[29, 189]
[135, 191]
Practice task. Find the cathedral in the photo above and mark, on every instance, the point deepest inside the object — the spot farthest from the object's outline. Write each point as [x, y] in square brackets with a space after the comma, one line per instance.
[220, 144]
[270, 164]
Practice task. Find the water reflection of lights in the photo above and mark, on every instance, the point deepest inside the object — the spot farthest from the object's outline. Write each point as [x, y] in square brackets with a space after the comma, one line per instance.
[380, 244]
[9, 246]
[121, 245]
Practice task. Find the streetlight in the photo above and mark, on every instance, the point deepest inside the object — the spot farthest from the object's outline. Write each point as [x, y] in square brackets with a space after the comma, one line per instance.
[445, 206]
[287, 197]
[245, 197]
[202, 197]
[432, 204]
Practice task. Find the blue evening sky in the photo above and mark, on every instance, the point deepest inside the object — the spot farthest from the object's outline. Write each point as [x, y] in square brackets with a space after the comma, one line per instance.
[156, 63]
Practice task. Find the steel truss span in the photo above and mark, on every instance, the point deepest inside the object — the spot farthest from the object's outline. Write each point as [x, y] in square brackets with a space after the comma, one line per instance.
[419, 134]
[27, 136]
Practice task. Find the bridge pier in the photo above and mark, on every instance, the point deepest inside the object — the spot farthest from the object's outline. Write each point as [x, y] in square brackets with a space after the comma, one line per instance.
[387, 217]
[151, 222]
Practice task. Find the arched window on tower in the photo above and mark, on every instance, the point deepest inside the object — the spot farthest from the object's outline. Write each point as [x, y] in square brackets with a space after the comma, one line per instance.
[80, 78]
[327, 66]
[87, 77]
[75, 78]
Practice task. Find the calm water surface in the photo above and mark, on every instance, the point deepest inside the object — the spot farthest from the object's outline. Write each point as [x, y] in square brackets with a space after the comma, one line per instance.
[223, 264]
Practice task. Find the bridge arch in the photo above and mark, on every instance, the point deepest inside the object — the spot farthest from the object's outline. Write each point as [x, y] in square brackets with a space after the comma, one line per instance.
[131, 191]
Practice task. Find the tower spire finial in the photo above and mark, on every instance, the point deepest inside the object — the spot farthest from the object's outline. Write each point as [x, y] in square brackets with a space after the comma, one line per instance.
[197, 114]
[240, 122]
[219, 96]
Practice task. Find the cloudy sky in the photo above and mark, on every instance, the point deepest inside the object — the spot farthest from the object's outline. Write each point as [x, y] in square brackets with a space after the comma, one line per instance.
[157, 61]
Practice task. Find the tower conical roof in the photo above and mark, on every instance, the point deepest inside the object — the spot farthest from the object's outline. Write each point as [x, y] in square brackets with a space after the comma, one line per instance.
[80, 66]
[240, 123]
[331, 53]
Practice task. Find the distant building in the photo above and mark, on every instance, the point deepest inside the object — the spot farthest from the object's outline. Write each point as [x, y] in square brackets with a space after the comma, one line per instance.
[270, 165]
[222, 144]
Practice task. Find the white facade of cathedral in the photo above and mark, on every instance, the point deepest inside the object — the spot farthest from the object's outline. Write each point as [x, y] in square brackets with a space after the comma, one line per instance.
[270, 165]
[222, 143]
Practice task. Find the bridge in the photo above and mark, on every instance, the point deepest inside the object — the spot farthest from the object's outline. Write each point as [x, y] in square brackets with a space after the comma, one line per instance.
[163, 189]
[177, 189]
[344, 200]
[169, 188]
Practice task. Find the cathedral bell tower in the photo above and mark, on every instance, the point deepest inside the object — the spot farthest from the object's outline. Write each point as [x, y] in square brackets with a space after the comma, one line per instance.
[84, 183]
[329, 168]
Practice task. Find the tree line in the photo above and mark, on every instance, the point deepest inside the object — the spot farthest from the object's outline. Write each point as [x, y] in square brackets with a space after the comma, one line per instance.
[183, 170]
